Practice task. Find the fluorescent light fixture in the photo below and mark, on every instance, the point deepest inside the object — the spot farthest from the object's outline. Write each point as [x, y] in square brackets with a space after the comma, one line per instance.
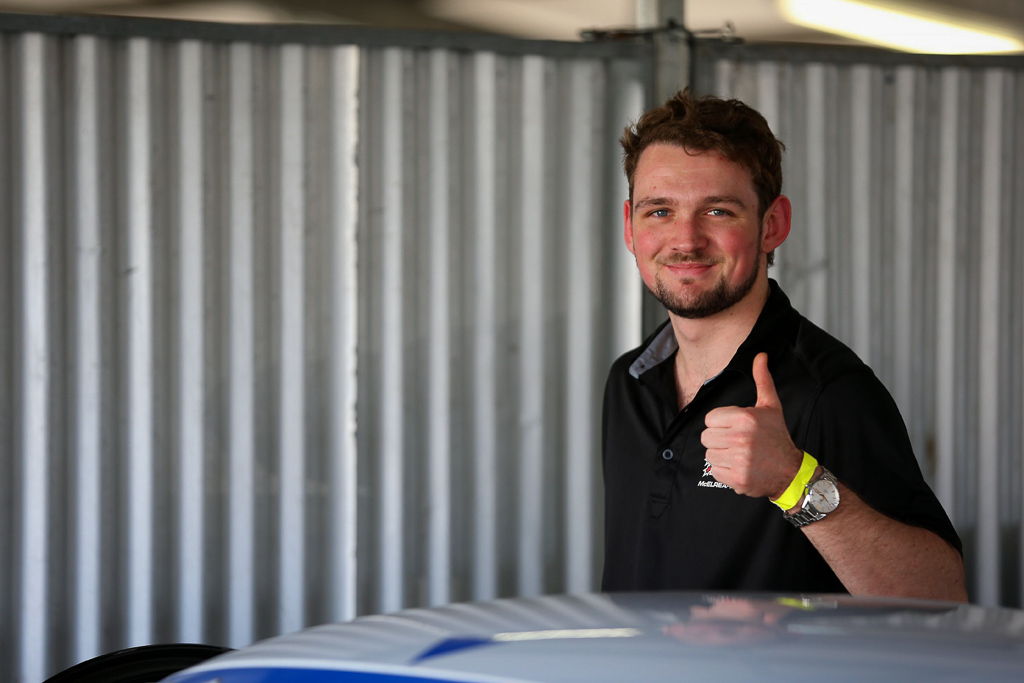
[897, 29]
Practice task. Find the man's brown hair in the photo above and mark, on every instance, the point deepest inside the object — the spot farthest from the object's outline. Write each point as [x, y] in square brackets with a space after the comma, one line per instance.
[706, 124]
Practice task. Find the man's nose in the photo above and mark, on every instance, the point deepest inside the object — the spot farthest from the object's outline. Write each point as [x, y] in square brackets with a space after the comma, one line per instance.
[688, 235]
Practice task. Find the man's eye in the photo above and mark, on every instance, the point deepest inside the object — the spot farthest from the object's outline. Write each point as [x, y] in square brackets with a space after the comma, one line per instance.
[718, 212]
[659, 213]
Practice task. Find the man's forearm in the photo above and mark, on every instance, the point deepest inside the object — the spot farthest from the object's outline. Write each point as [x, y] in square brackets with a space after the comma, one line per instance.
[875, 555]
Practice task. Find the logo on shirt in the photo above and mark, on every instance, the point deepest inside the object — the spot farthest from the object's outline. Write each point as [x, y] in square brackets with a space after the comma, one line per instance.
[707, 481]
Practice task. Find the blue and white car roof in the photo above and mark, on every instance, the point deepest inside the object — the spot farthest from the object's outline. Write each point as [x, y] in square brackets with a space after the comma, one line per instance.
[641, 637]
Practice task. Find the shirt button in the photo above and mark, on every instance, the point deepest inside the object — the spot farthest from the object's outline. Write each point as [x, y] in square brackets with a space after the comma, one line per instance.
[667, 454]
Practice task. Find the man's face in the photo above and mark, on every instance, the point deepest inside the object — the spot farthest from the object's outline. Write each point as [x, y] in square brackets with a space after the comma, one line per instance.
[694, 229]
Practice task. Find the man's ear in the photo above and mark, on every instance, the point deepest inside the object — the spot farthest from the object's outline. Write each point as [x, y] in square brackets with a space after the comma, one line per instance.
[627, 223]
[776, 224]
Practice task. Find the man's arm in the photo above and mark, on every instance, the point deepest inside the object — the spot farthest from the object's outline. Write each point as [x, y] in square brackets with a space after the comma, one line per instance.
[873, 554]
[750, 449]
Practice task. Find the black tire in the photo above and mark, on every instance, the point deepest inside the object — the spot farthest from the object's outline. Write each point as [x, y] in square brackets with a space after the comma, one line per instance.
[145, 664]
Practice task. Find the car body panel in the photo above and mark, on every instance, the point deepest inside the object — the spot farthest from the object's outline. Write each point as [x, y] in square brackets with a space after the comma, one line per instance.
[644, 636]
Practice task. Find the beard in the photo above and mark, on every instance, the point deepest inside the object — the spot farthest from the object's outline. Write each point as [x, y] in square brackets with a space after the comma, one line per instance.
[707, 303]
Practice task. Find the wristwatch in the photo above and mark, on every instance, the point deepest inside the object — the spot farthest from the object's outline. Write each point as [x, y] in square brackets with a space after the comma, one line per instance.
[821, 496]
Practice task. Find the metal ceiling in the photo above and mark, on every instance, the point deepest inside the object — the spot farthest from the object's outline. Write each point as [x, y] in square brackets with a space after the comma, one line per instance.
[753, 20]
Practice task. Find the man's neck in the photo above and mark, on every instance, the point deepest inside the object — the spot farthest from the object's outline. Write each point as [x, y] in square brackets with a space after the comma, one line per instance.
[706, 345]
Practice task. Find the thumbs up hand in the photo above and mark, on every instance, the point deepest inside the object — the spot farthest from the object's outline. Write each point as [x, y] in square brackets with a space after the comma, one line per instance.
[750, 449]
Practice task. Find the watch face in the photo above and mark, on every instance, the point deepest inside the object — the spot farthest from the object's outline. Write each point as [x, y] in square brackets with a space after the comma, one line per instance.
[823, 496]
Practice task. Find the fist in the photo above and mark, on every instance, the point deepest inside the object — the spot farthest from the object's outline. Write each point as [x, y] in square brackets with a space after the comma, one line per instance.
[750, 449]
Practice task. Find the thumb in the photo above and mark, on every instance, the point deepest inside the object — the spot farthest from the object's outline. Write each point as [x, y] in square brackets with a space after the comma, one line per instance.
[767, 397]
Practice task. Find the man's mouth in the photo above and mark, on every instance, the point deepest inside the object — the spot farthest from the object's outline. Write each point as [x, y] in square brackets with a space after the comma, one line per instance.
[688, 267]
[679, 261]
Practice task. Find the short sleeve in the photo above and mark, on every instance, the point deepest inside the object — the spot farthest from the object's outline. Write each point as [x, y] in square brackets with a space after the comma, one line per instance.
[855, 430]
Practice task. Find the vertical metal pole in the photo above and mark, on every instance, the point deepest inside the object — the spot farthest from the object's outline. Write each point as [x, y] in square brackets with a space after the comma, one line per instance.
[671, 74]
[672, 53]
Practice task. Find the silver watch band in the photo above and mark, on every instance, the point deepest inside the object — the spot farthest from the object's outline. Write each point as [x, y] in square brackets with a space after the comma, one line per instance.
[804, 516]
[807, 513]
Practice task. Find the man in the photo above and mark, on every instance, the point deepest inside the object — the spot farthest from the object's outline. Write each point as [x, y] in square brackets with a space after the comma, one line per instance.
[744, 447]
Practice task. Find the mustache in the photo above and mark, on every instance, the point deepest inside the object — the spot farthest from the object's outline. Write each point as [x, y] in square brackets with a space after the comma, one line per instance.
[678, 259]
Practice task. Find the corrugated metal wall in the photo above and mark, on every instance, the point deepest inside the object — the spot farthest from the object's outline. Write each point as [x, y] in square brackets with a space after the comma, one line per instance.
[499, 296]
[490, 277]
[275, 305]
[907, 175]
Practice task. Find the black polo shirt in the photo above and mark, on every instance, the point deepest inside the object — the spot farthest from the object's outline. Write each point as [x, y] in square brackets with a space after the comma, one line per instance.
[670, 525]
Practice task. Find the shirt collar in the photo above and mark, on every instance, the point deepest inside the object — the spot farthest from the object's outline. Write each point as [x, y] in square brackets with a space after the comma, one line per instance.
[660, 349]
[663, 343]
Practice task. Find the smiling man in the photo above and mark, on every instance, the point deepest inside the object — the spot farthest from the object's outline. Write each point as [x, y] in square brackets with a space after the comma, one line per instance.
[744, 447]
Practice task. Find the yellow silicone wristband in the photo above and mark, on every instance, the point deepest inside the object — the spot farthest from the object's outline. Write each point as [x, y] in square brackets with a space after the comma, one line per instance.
[795, 491]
